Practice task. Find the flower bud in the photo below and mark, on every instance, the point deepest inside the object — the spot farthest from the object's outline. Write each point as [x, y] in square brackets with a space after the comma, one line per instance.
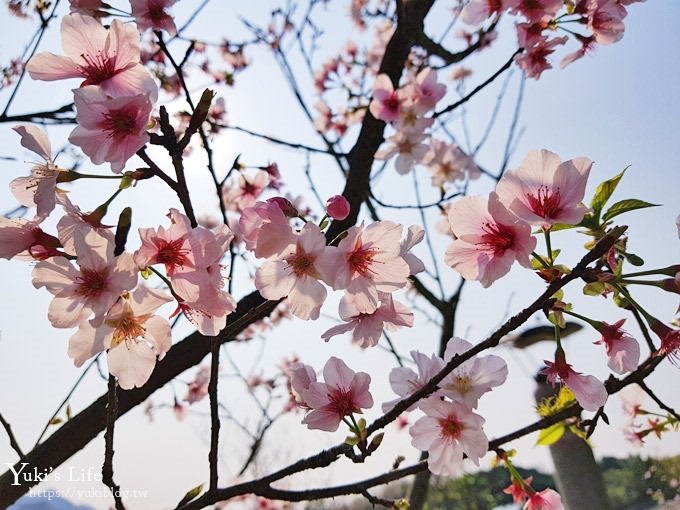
[337, 207]
[285, 205]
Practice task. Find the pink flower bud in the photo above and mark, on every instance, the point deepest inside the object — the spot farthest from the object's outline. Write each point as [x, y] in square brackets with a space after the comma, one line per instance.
[337, 207]
[285, 205]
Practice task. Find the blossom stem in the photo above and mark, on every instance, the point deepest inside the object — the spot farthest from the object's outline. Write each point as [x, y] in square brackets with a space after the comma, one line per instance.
[668, 271]
[548, 246]
[592, 322]
[541, 260]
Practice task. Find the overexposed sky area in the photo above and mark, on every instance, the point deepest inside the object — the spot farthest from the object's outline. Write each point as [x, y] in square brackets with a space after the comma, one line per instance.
[618, 106]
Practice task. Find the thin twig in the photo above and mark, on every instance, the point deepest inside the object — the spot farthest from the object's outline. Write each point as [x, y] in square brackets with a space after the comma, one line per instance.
[12, 439]
[107, 467]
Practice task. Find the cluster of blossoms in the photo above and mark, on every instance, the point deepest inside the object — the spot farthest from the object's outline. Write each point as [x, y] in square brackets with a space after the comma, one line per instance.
[450, 428]
[603, 20]
[369, 264]
[405, 109]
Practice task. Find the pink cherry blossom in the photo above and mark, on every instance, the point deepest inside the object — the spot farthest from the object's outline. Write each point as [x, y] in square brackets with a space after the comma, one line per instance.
[300, 377]
[152, 14]
[623, 350]
[185, 252]
[343, 393]
[518, 489]
[426, 92]
[544, 190]
[367, 328]
[367, 261]
[92, 288]
[37, 190]
[534, 59]
[588, 390]
[448, 163]
[337, 207]
[605, 20]
[386, 102]
[198, 388]
[477, 11]
[209, 312]
[547, 499]
[265, 229]
[670, 341]
[447, 431]
[488, 239]
[414, 235]
[293, 273]
[476, 376]
[405, 382]
[408, 146]
[23, 238]
[536, 10]
[132, 335]
[92, 8]
[587, 45]
[246, 190]
[110, 130]
[107, 58]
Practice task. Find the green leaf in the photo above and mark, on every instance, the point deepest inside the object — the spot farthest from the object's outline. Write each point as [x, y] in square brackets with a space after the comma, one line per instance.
[624, 206]
[55, 421]
[557, 227]
[594, 289]
[352, 440]
[126, 181]
[550, 435]
[603, 192]
[190, 495]
[634, 259]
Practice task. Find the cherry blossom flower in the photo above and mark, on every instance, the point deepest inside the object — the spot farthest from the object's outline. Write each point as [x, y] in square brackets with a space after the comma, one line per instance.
[92, 8]
[408, 146]
[93, 288]
[198, 388]
[518, 489]
[476, 376]
[405, 382]
[75, 219]
[536, 10]
[534, 59]
[426, 92]
[488, 239]
[386, 103]
[300, 377]
[448, 163]
[246, 190]
[414, 235]
[37, 190]
[343, 393]
[587, 45]
[547, 499]
[544, 190]
[107, 58]
[588, 390]
[293, 273]
[132, 335]
[209, 312]
[367, 328]
[337, 207]
[110, 130]
[265, 229]
[367, 261]
[670, 341]
[477, 11]
[152, 14]
[447, 431]
[23, 238]
[623, 350]
[185, 252]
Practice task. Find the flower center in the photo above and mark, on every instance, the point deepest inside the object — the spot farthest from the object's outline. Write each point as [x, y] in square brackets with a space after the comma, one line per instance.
[360, 259]
[119, 123]
[450, 427]
[99, 67]
[91, 283]
[172, 254]
[128, 327]
[497, 237]
[302, 264]
[342, 402]
[545, 203]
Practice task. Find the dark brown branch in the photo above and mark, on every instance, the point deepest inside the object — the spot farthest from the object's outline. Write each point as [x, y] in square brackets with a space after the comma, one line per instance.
[12, 439]
[107, 467]
[658, 401]
[214, 413]
[479, 87]
[36, 116]
[435, 48]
